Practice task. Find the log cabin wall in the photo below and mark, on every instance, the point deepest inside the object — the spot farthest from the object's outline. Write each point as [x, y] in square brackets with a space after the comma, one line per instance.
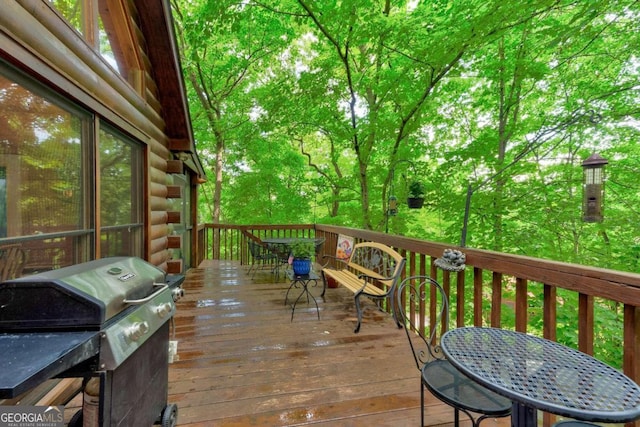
[144, 100]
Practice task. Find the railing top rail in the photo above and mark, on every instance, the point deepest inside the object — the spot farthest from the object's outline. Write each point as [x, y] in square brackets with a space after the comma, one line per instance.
[611, 284]
[261, 226]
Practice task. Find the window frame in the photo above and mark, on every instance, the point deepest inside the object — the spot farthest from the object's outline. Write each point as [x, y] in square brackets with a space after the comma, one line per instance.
[86, 240]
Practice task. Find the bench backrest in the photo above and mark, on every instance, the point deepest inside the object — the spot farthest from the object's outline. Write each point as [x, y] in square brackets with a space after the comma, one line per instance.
[377, 260]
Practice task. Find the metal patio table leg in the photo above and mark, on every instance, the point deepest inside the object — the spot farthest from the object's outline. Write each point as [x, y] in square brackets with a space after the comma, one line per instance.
[304, 281]
[523, 416]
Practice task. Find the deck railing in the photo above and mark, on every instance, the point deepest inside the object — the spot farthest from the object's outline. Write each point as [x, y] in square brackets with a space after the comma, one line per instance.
[491, 276]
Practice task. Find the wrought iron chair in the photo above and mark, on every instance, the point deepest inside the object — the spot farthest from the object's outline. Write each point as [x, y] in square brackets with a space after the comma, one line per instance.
[12, 260]
[282, 253]
[260, 255]
[317, 266]
[424, 295]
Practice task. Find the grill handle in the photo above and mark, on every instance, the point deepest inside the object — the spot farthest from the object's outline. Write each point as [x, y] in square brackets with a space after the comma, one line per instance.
[162, 286]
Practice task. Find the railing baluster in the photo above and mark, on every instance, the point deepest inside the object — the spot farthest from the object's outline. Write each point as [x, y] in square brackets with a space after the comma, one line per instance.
[522, 305]
[496, 299]
[631, 362]
[477, 297]
[460, 299]
[585, 326]
[550, 309]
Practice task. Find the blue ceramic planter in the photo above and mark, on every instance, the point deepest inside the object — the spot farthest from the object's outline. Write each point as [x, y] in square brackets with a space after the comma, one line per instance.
[301, 266]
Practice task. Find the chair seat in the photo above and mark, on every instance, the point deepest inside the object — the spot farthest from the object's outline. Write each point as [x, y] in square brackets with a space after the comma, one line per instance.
[574, 423]
[456, 389]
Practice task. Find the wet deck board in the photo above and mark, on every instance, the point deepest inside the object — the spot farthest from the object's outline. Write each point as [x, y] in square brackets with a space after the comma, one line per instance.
[243, 362]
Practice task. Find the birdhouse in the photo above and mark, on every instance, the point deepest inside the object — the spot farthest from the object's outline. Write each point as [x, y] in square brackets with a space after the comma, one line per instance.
[593, 188]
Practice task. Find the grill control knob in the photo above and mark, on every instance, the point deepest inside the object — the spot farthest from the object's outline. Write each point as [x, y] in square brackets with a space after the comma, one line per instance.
[138, 329]
[163, 309]
[177, 294]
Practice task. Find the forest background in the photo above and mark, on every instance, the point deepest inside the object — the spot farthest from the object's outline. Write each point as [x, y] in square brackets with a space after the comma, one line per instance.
[318, 111]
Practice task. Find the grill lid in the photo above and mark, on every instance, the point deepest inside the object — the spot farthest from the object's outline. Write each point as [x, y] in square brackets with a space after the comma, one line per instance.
[80, 296]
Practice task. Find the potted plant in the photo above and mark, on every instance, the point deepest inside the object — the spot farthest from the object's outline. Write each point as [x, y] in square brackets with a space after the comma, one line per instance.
[302, 251]
[415, 197]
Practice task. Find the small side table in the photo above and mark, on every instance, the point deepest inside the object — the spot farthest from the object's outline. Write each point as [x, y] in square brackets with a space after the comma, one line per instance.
[304, 281]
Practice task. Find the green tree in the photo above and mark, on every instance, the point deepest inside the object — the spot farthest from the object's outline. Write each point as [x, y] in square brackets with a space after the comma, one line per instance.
[225, 46]
[304, 109]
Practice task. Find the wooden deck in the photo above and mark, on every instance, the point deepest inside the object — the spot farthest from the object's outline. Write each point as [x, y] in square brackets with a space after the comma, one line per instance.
[243, 362]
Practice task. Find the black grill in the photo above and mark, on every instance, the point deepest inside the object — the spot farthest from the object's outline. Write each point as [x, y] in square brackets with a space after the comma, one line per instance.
[102, 319]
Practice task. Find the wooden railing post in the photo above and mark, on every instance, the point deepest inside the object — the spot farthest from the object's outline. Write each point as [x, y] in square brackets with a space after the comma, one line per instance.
[460, 299]
[631, 360]
[522, 305]
[477, 297]
[585, 326]
[496, 299]
[549, 316]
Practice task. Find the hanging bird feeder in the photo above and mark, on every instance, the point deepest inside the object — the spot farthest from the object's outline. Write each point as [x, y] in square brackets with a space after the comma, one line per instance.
[593, 188]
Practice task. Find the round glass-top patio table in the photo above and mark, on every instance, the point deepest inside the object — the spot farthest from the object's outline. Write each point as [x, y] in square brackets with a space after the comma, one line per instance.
[536, 373]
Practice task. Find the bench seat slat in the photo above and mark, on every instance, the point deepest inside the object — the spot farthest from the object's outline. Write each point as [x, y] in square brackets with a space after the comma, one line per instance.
[353, 283]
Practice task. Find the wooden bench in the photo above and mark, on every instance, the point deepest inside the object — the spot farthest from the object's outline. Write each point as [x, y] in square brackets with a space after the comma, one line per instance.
[372, 271]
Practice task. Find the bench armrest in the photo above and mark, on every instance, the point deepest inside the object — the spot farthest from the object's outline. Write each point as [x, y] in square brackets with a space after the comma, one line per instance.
[369, 280]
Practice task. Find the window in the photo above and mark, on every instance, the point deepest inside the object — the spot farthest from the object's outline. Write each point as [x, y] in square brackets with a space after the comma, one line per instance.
[105, 26]
[47, 179]
[44, 155]
[3, 202]
[120, 194]
[185, 227]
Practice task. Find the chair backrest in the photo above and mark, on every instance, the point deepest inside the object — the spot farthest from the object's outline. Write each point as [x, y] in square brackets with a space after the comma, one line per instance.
[319, 245]
[423, 309]
[12, 260]
[256, 249]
